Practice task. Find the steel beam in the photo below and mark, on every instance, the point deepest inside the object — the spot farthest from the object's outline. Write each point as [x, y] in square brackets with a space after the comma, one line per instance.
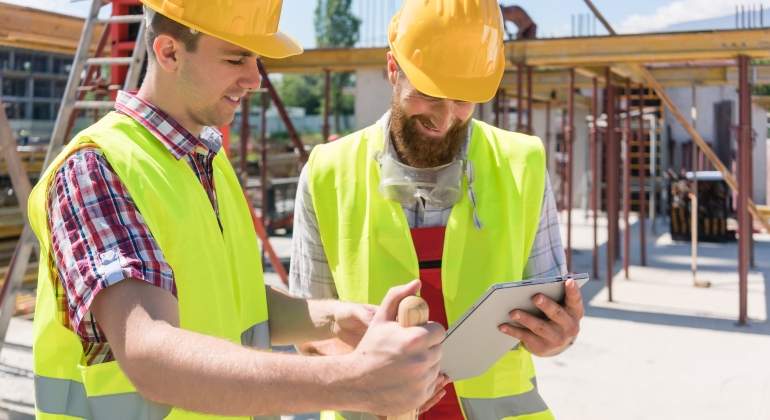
[642, 181]
[694, 198]
[505, 109]
[597, 51]
[519, 97]
[529, 100]
[264, 183]
[266, 83]
[569, 138]
[327, 105]
[595, 181]
[627, 179]
[611, 157]
[641, 48]
[245, 133]
[744, 175]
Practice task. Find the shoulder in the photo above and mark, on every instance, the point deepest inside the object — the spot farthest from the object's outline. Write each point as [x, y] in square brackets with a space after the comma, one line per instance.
[509, 143]
[346, 150]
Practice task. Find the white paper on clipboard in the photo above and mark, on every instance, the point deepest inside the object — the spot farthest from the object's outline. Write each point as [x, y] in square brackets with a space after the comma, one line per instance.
[473, 343]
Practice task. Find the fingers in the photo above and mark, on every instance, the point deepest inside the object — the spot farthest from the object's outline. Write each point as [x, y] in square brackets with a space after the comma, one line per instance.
[530, 341]
[389, 307]
[438, 393]
[432, 401]
[539, 327]
[435, 333]
[574, 299]
[363, 314]
[554, 312]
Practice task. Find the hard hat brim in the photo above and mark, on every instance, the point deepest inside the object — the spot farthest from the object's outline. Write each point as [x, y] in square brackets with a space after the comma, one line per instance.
[274, 45]
[476, 90]
[278, 45]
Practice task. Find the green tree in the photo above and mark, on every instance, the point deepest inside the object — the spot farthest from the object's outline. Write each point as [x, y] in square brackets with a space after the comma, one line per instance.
[337, 26]
[301, 91]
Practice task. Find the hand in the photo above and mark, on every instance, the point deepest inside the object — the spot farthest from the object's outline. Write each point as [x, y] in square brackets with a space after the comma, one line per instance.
[396, 368]
[351, 321]
[438, 393]
[551, 336]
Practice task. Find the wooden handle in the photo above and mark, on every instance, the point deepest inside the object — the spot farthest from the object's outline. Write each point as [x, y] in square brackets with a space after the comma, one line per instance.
[412, 312]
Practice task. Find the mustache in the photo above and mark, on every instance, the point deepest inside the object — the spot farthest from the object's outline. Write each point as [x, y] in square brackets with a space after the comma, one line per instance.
[422, 152]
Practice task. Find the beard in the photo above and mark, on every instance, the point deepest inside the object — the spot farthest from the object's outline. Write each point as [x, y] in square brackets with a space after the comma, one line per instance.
[419, 151]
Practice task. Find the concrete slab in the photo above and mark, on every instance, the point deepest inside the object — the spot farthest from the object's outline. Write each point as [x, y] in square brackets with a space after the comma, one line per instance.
[665, 349]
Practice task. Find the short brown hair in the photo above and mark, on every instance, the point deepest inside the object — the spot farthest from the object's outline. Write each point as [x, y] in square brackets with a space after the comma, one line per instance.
[158, 24]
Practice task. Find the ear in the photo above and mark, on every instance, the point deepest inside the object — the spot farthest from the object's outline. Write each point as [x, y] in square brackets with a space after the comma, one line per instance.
[166, 51]
[392, 68]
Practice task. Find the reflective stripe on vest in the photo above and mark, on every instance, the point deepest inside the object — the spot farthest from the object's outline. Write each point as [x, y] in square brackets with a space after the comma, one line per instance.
[67, 397]
[497, 408]
[257, 336]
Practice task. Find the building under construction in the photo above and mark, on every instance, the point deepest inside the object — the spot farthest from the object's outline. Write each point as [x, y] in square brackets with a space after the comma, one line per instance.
[646, 134]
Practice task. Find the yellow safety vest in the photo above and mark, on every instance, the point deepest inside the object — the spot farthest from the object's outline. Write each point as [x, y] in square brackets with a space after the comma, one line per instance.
[218, 274]
[367, 241]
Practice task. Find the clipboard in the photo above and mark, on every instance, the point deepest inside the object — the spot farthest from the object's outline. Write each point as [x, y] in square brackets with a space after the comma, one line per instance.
[473, 343]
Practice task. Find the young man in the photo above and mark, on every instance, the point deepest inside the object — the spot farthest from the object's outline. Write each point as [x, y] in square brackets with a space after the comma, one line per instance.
[151, 300]
[427, 191]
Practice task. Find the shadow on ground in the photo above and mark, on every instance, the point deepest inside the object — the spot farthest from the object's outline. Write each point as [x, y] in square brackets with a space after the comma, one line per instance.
[717, 259]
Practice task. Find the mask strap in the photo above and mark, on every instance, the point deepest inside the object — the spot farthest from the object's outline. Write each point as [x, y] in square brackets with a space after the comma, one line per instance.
[472, 195]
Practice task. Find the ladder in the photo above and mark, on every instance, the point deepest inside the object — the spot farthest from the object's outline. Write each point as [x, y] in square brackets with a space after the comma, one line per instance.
[81, 78]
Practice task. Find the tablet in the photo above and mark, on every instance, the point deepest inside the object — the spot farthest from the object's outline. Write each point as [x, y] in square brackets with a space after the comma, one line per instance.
[473, 343]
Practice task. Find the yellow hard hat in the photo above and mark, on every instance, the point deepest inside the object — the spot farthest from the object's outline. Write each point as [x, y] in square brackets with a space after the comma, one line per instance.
[450, 48]
[251, 24]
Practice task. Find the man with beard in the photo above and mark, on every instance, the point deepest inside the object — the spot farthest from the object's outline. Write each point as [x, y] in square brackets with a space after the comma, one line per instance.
[151, 302]
[429, 192]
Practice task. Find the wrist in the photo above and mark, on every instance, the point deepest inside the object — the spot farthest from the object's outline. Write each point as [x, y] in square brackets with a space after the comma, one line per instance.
[344, 381]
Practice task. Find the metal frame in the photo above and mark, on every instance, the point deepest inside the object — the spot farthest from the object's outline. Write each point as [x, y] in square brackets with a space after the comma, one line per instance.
[595, 180]
[569, 139]
[611, 159]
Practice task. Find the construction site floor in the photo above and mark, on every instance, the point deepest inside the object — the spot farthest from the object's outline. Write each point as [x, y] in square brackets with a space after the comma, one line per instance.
[662, 350]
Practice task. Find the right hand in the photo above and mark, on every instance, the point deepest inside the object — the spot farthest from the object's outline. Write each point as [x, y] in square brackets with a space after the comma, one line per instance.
[397, 368]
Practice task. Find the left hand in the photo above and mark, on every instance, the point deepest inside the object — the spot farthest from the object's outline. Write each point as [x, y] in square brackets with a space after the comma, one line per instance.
[351, 321]
[549, 337]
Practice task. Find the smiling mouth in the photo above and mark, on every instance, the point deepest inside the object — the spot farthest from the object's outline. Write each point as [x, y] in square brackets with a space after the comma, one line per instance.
[433, 132]
[233, 99]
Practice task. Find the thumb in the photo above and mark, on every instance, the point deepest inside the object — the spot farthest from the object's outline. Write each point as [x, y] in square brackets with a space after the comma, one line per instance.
[389, 307]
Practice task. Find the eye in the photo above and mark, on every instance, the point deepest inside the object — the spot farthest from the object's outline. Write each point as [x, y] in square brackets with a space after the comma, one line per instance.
[237, 62]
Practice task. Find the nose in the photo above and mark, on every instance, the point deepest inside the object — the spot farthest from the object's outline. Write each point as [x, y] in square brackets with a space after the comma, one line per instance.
[251, 78]
[444, 115]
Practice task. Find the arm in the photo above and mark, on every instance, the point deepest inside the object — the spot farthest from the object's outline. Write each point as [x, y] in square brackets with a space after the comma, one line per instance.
[552, 336]
[201, 373]
[310, 275]
[294, 320]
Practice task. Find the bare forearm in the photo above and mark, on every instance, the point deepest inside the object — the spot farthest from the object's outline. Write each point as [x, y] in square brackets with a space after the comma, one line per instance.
[295, 321]
[205, 374]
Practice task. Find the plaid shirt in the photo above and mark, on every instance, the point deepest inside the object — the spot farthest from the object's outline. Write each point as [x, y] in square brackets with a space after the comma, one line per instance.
[99, 237]
[310, 276]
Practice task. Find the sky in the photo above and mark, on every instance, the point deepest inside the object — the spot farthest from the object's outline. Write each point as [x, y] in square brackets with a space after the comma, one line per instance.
[553, 17]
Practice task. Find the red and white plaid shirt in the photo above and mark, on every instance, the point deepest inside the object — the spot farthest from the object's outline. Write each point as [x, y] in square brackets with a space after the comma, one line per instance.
[99, 237]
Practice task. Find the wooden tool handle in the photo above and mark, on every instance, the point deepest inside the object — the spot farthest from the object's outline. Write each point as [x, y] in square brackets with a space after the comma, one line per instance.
[412, 311]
